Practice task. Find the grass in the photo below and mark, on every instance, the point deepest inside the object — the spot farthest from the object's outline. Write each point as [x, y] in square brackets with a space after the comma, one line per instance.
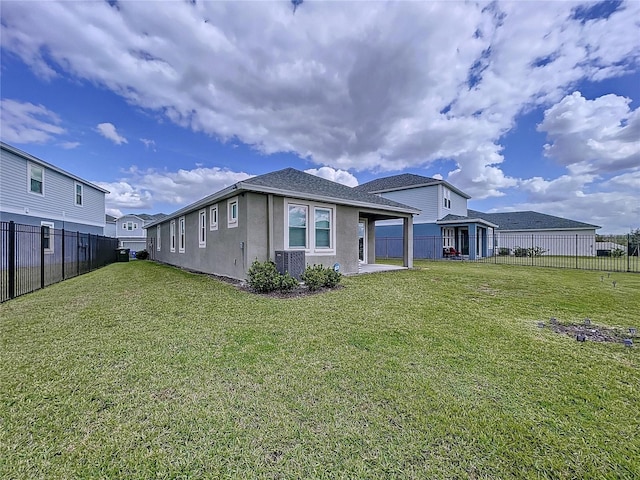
[139, 370]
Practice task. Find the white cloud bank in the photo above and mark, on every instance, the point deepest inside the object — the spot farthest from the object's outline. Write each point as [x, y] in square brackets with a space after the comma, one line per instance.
[24, 122]
[377, 86]
[108, 131]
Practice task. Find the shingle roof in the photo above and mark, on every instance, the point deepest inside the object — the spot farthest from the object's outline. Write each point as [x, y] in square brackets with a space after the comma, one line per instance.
[404, 181]
[300, 183]
[395, 182]
[529, 220]
[296, 184]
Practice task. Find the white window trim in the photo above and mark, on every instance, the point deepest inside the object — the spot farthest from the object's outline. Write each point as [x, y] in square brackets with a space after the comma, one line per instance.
[29, 165]
[172, 236]
[158, 236]
[446, 198]
[213, 218]
[311, 227]
[202, 229]
[232, 222]
[75, 194]
[51, 226]
[182, 235]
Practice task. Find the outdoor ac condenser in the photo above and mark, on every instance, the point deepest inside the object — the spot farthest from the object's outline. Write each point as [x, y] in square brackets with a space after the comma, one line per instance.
[292, 261]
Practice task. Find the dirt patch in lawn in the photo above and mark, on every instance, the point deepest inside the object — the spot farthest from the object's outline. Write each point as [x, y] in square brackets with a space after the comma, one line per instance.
[591, 332]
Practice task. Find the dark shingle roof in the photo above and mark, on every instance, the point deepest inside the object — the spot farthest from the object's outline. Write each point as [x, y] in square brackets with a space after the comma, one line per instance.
[296, 184]
[529, 221]
[292, 181]
[110, 218]
[403, 182]
[396, 182]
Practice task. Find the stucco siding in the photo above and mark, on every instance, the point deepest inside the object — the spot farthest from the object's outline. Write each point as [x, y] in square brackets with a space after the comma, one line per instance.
[58, 199]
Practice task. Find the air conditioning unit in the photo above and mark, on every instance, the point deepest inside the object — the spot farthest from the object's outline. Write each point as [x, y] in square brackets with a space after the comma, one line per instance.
[292, 261]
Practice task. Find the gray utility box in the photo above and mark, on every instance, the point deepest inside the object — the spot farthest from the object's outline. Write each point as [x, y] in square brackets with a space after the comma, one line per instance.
[292, 261]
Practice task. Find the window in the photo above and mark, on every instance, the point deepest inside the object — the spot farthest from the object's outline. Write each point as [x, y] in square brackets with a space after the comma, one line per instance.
[317, 237]
[323, 227]
[172, 235]
[47, 243]
[232, 213]
[297, 226]
[202, 229]
[36, 179]
[158, 237]
[448, 237]
[181, 234]
[213, 218]
[79, 194]
[447, 198]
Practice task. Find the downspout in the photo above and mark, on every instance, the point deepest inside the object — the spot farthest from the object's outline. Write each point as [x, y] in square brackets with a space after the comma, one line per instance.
[270, 247]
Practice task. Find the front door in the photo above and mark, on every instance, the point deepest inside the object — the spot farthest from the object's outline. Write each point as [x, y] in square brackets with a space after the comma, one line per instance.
[362, 240]
[464, 241]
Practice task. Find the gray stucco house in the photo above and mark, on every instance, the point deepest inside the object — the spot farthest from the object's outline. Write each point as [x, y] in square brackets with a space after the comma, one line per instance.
[283, 211]
[34, 192]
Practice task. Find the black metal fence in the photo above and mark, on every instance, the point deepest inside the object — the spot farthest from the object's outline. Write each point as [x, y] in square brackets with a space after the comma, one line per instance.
[587, 252]
[34, 257]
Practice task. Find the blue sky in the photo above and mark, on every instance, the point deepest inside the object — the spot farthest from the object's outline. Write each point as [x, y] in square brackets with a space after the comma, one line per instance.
[523, 105]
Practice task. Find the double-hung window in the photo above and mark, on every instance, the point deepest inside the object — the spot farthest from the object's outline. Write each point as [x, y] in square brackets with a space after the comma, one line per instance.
[446, 198]
[213, 218]
[172, 235]
[323, 220]
[181, 235]
[202, 229]
[298, 226]
[79, 194]
[47, 241]
[36, 179]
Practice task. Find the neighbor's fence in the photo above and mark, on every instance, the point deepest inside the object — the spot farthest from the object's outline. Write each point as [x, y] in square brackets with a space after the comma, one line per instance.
[587, 252]
[34, 257]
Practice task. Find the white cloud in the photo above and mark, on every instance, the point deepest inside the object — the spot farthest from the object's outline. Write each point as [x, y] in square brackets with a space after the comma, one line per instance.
[339, 176]
[24, 122]
[148, 143]
[600, 135]
[108, 131]
[124, 194]
[381, 87]
[70, 145]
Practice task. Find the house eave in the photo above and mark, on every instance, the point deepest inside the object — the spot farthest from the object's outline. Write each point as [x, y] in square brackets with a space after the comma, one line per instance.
[420, 185]
[467, 220]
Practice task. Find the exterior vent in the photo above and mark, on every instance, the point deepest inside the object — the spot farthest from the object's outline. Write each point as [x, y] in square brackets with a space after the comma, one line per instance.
[292, 261]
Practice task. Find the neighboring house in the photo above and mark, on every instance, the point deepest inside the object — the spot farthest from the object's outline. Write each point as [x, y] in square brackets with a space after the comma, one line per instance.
[604, 249]
[446, 223]
[437, 200]
[34, 192]
[551, 235]
[130, 230]
[110, 226]
[284, 211]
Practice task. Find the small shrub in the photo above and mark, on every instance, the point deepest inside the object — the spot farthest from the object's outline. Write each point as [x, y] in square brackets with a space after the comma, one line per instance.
[317, 276]
[528, 252]
[504, 251]
[142, 255]
[520, 252]
[263, 277]
[618, 252]
[287, 282]
[314, 277]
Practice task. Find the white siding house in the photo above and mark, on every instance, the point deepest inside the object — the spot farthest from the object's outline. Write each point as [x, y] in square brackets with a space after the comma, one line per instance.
[34, 192]
[130, 231]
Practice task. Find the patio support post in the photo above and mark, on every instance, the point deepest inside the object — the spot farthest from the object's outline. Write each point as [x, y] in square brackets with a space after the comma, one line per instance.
[407, 251]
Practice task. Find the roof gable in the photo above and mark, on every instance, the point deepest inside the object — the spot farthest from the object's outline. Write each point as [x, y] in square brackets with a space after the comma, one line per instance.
[529, 220]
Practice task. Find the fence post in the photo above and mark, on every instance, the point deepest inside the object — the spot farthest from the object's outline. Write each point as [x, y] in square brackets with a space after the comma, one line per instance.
[63, 257]
[628, 252]
[42, 238]
[532, 250]
[12, 259]
[576, 251]
[78, 251]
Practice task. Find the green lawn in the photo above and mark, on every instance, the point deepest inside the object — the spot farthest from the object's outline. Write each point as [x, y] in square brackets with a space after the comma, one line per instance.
[139, 370]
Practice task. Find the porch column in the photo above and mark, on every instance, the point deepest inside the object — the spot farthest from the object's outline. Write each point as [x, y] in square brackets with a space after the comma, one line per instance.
[407, 239]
